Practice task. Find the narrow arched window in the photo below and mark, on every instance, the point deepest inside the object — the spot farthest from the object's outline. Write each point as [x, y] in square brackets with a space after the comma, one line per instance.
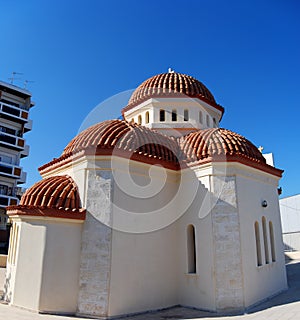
[272, 241]
[207, 120]
[191, 249]
[132, 120]
[258, 245]
[265, 240]
[186, 115]
[215, 122]
[139, 119]
[162, 115]
[200, 117]
[174, 115]
[147, 117]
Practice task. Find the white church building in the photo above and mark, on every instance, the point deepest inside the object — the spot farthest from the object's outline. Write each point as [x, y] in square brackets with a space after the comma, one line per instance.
[159, 209]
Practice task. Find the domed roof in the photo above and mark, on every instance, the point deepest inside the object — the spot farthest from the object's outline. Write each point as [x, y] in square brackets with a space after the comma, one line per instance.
[171, 84]
[57, 193]
[117, 136]
[135, 142]
[219, 144]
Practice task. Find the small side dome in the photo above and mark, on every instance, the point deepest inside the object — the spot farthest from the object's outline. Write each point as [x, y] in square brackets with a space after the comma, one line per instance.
[56, 196]
[219, 144]
[58, 192]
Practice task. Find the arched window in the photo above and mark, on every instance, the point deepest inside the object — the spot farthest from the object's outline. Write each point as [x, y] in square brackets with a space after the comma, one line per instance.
[272, 241]
[132, 120]
[191, 249]
[174, 115]
[147, 117]
[215, 122]
[139, 119]
[265, 240]
[200, 117]
[207, 120]
[258, 246]
[162, 115]
[186, 115]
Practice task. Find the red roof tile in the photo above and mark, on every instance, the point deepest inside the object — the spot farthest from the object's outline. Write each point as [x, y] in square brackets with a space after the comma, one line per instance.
[58, 196]
[122, 138]
[222, 145]
[169, 85]
[216, 142]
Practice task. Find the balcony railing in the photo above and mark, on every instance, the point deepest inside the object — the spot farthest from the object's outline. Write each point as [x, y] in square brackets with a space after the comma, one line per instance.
[11, 141]
[13, 113]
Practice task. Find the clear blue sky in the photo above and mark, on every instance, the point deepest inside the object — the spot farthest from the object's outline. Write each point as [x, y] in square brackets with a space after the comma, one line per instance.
[80, 53]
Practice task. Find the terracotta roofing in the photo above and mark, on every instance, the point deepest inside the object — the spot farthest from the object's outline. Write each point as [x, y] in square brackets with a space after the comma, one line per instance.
[54, 196]
[216, 143]
[220, 145]
[171, 84]
[121, 138]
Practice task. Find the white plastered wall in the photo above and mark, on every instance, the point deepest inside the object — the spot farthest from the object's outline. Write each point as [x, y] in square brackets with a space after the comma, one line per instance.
[253, 187]
[149, 270]
[47, 265]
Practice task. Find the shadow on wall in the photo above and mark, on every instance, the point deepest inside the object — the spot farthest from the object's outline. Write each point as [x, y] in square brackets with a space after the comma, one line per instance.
[7, 289]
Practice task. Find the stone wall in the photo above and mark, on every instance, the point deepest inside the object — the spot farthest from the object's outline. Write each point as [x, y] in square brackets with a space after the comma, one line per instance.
[227, 248]
[96, 246]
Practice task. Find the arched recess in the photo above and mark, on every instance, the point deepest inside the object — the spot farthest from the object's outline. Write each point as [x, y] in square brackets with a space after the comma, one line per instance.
[258, 245]
[266, 246]
[272, 241]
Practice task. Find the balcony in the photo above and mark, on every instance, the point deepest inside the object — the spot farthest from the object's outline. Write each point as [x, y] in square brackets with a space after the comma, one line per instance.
[13, 113]
[10, 141]
[25, 152]
[28, 126]
[8, 196]
[6, 200]
[10, 170]
[23, 177]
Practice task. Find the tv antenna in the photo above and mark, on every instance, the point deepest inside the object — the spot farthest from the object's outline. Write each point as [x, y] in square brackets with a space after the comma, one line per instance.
[26, 83]
[12, 79]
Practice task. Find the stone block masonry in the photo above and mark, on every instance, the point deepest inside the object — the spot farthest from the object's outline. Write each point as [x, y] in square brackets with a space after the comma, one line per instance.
[227, 248]
[96, 246]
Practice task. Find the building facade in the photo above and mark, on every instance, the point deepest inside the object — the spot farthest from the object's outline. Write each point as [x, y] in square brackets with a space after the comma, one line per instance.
[159, 209]
[290, 218]
[15, 104]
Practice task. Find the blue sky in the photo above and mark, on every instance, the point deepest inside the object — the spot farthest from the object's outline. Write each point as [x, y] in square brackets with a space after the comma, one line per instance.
[80, 53]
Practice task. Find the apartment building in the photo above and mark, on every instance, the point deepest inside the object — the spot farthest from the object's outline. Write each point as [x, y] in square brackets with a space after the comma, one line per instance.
[15, 104]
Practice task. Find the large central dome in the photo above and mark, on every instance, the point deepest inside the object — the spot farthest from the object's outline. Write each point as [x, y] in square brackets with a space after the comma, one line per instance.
[171, 84]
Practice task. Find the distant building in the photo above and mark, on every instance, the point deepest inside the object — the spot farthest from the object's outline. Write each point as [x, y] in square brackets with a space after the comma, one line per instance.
[15, 104]
[290, 219]
[159, 209]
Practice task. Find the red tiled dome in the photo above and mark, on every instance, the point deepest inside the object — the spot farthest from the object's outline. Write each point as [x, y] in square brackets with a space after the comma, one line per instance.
[170, 84]
[54, 196]
[58, 192]
[218, 143]
[122, 138]
[135, 142]
[122, 135]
